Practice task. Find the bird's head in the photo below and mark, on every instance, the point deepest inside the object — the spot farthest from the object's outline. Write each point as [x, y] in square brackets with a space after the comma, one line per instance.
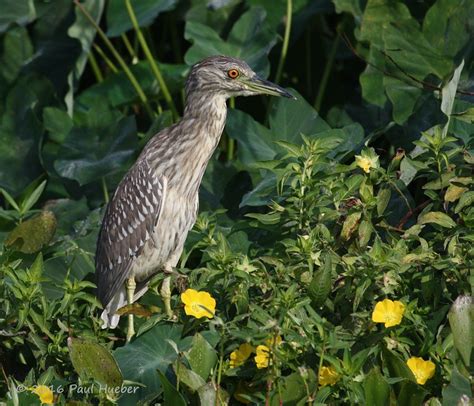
[223, 75]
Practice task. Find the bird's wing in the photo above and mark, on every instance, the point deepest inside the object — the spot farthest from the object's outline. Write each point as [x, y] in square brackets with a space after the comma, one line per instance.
[128, 224]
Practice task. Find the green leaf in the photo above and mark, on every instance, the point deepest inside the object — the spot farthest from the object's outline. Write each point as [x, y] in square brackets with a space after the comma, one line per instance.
[20, 12]
[187, 377]
[93, 361]
[202, 357]
[294, 389]
[411, 394]
[118, 91]
[17, 49]
[58, 123]
[372, 80]
[33, 234]
[209, 395]
[140, 359]
[365, 232]
[288, 120]
[467, 116]
[31, 199]
[270, 218]
[461, 320]
[172, 396]
[250, 39]
[118, 20]
[90, 153]
[437, 217]
[459, 386]
[11, 201]
[383, 198]
[467, 199]
[320, 286]
[440, 183]
[396, 366]
[84, 31]
[448, 95]
[291, 118]
[403, 97]
[20, 132]
[350, 225]
[376, 389]
[454, 21]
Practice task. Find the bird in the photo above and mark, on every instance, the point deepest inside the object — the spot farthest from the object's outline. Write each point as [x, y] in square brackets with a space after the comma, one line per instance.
[155, 205]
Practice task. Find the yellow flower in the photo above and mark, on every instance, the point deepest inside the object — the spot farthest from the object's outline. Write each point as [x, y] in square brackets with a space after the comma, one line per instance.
[423, 370]
[262, 359]
[367, 162]
[240, 355]
[44, 393]
[198, 304]
[273, 341]
[388, 312]
[328, 376]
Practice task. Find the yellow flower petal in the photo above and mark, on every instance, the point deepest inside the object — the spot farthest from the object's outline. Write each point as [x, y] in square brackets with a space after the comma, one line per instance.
[198, 304]
[240, 355]
[388, 312]
[366, 163]
[328, 376]
[363, 163]
[273, 341]
[423, 370]
[262, 359]
[45, 394]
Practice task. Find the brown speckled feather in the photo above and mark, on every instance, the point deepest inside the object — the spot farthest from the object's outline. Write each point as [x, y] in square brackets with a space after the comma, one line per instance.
[128, 224]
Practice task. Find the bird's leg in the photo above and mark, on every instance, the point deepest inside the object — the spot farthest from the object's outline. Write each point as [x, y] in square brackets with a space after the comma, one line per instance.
[130, 285]
[165, 291]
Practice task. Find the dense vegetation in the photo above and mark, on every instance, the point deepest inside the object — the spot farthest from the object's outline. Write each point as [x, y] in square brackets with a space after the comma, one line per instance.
[335, 231]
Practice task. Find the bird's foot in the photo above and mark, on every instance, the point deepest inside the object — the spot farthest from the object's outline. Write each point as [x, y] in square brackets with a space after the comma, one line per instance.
[165, 293]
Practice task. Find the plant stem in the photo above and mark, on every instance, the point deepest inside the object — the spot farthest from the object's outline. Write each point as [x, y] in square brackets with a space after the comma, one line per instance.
[95, 67]
[129, 47]
[105, 191]
[326, 73]
[151, 60]
[123, 65]
[106, 59]
[286, 40]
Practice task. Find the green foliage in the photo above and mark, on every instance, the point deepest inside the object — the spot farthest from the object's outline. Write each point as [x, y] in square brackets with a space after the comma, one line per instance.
[308, 218]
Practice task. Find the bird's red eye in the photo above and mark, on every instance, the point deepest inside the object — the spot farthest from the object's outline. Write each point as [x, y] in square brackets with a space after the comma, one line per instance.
[233, 73]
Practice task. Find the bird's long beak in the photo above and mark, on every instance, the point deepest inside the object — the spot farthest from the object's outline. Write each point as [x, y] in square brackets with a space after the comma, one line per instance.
[266, 87]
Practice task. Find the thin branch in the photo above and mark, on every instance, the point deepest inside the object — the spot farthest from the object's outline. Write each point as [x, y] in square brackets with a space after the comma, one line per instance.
[131, 77]
[286, 40]
[151, 60]
[419, 83]
[411, 212]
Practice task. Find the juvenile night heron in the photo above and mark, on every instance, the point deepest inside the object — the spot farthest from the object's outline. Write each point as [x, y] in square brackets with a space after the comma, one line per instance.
[156, 203]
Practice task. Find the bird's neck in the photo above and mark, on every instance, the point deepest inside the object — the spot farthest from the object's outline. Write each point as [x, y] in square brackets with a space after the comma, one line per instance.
[208, 112]
[192, 142]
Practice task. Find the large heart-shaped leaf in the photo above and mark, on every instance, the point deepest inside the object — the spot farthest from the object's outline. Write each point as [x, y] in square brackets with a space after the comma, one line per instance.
[118, 90]
[99, 147]
[93, 361]
[20, 132]
[20, 12]
[250, 39]
[118, 20]
[140, 359]
[288, 120]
